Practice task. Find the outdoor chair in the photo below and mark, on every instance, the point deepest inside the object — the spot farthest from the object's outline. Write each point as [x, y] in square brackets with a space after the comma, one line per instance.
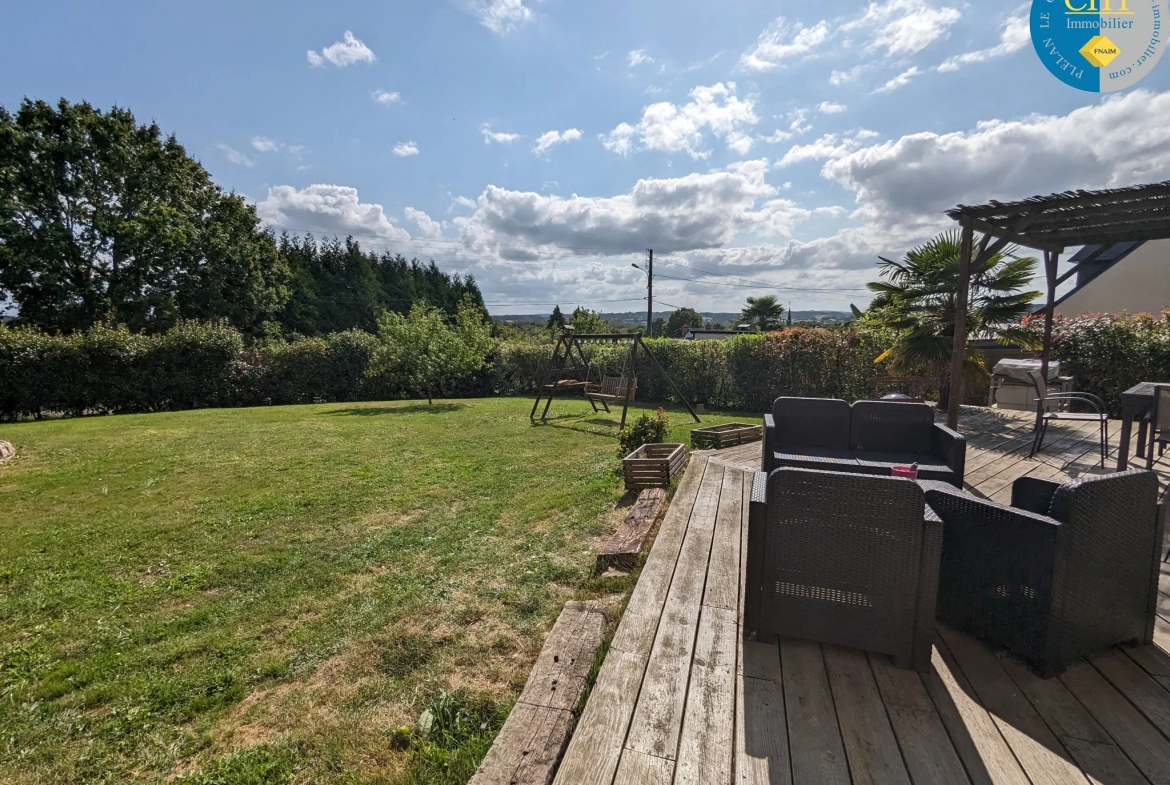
[1159, 423]
[869, 437]
[1068, 569]
[843, 558]
[1044, 415]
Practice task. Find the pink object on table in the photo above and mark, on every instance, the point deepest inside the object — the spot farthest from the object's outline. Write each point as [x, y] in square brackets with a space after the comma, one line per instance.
[905, 471]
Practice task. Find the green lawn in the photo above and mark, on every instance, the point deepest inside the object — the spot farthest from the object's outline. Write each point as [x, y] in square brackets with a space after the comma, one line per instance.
[265, 595]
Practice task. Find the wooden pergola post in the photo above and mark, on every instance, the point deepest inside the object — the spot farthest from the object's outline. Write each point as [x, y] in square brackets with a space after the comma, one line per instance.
[1050, 260]
[959, 348]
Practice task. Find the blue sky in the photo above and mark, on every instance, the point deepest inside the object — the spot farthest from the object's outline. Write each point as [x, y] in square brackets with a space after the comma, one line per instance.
[542, 145]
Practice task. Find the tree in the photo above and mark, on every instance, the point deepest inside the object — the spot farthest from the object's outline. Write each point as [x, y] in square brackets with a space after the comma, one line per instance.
[102, 219]
[763, 313]
[586, 321]
[683, 317]
[556, 321]
[424, 354]
[917, 298]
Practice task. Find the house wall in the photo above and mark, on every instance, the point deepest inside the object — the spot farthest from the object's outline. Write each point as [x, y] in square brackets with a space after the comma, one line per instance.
[1139, 283]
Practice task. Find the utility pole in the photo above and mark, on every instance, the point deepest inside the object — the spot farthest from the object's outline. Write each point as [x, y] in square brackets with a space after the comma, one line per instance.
[650, 293]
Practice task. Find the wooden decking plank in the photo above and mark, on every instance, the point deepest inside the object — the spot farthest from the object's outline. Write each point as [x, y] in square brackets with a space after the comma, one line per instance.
[974, 734]
[635, 633]
[870, 746]
[559, 675]
[1146, 694]
[815, 746]
[1153, 661]
[744, 510]
[527, 748]
[926, 748]
[1090, 746]
[1008, 474]
[716, 640]
[708, 733]
[1039, 752]
[761, 733]
[637, 768]
[1132, 732]
[658, 716]
[723, 575]
[707, 504]
[593, 752]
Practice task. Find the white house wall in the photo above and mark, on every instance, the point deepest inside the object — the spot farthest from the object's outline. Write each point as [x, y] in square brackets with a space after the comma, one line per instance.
[1139, 283]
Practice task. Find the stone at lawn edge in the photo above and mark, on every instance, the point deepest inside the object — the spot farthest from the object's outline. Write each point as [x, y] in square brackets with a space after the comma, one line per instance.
[7, 451]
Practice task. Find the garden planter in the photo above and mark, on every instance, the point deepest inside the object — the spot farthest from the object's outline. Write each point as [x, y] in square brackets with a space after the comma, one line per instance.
[726, 435]
[652, 465]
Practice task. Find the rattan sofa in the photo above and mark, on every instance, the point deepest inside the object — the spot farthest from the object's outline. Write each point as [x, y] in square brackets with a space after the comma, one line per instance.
[1067, 570]
[869, 437]
[843, 558]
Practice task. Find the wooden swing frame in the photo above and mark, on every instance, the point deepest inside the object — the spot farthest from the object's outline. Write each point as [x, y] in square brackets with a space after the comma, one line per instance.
[569, 373]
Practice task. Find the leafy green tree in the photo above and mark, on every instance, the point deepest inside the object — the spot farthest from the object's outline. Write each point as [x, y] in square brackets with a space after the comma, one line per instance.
[556, 320]
[587, 321]
[683, 317]
[103, 219]
[917, 298]
[424, 354]
[763, 313]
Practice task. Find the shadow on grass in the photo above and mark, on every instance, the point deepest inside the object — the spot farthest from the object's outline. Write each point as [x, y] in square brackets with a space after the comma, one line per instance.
[424, 408]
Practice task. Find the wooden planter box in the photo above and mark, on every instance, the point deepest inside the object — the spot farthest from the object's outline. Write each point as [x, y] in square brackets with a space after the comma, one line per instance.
[652, 465]
[726, 435]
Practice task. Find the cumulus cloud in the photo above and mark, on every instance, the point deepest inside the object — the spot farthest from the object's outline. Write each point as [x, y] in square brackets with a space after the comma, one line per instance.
[551, 138]
[502, 16]
[428, 227]
[695, 211]
[670, 128]
[1014, 36]
[405, 149]
[901, 80]
[334, 209]
[828, 107]
[235, 156]
[345, 52]
[781, 42]
[263, 144]
[386, 97]
[903, 27]
[795, 127]
[844, 77]
[827, 147]
[499, 137]
[638, 56]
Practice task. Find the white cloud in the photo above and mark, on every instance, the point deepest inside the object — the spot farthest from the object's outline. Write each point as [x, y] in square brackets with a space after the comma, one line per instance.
[694, 211]
[901, 80]
[638, 56]
[428, 227]
[844, 77]
[828, 107]
[348, 51]
[264, 144]
[781, 41]
[1014, 36]
[797, 126]
[670, 128]
[405, 149]
[235, 156]
[386, 97]
[461, 201]
[499, 137]
[550, 138]
[903, 27]
[334, 209]
[827, 147]
[502, 16]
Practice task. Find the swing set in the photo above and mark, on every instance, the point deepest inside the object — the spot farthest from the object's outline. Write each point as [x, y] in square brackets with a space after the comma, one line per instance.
[571, 372]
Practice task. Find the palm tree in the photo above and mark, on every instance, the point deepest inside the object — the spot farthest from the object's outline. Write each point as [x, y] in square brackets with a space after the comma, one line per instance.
[763, 313]
[917, 298]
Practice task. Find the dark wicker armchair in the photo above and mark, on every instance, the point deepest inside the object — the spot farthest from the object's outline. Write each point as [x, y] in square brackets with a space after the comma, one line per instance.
[843, 558]
[1067, 570]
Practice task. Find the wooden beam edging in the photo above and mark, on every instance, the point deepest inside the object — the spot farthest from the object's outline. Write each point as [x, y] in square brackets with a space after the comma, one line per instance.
[528, 748]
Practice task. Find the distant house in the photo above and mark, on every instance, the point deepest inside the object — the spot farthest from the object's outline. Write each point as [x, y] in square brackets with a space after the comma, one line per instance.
[1131, 276]
[698, 334]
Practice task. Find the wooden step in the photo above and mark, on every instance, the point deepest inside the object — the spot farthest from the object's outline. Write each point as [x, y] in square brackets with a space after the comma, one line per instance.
[624, 547]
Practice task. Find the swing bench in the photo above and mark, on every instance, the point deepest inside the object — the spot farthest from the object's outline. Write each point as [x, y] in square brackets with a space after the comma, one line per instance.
[570, 373]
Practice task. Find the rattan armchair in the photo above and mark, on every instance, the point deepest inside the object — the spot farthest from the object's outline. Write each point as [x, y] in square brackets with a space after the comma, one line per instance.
[843, 558]
[1067, 570]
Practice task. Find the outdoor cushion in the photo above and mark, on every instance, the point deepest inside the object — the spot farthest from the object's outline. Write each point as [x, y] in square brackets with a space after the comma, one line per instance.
[929, 467]
[804, 424]
[887, 426]
[836, 460]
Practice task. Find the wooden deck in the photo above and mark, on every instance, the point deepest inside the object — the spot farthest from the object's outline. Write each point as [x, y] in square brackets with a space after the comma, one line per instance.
[681, 698]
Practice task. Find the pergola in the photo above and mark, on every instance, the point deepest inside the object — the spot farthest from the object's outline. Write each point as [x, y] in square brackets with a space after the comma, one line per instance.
[1050, 224]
